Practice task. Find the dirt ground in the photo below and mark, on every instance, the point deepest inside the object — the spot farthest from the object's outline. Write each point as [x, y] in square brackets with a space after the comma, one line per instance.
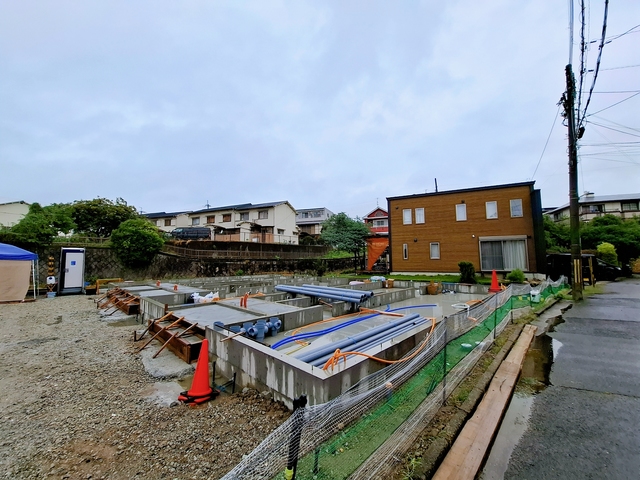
[74, 404]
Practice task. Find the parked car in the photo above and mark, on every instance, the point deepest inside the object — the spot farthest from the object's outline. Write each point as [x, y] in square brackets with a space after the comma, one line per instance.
[191, 233]
[560, 264]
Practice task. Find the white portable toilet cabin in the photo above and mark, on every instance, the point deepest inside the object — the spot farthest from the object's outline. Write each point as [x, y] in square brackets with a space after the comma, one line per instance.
[71, 277]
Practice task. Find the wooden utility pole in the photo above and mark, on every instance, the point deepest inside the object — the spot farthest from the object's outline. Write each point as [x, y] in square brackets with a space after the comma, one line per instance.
[574, 206]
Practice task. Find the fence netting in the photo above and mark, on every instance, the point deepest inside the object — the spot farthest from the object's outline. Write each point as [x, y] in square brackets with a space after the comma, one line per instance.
[358, 434]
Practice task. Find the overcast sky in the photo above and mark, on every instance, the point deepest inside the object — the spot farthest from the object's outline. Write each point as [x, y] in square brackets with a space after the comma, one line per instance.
[173, 105]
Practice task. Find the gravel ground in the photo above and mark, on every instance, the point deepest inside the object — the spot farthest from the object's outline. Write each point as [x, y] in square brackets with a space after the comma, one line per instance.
[75, 404]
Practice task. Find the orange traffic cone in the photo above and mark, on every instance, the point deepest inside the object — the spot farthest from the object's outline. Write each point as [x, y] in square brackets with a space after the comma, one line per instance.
[200, 390]
[495, 288]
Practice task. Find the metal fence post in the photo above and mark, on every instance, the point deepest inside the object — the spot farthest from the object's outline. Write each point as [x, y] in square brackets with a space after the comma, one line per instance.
[294, 440]
[444, 363]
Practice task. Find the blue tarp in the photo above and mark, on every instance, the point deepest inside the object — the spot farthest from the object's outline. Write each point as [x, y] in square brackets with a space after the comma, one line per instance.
[11, 252]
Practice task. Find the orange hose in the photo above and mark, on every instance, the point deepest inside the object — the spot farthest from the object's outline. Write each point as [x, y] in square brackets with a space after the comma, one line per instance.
[337, 355]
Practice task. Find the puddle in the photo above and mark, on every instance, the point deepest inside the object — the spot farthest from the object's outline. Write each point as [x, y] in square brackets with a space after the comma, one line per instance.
[513, 426]
[124, 323]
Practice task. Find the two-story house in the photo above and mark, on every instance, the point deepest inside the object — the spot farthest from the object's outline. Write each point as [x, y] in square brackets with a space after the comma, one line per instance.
[273, 222]
[592, 206]
[496, 228]
[12, 212]
[309, 220]
[377, 221]
[168, 221]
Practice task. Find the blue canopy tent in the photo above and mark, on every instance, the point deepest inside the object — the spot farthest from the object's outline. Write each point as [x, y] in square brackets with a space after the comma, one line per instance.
[16, 266]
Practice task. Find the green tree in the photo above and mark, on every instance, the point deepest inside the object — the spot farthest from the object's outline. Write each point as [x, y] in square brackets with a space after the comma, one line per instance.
[624, 235]
[100, 216]
[41, 225]
[345, 233]
[136, 242]
[557, 236]
[607, 252]
[467, 272]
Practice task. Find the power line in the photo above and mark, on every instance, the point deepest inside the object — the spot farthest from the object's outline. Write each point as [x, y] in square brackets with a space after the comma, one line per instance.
[555, 118]
[617, 103]
[595, 75]
[619, 68]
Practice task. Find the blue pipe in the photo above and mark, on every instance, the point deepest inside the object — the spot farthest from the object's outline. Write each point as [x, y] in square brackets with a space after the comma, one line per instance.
[318, 352]
[342, 292]
[317, 333]
[366, 344]
[366, 293]
[314, 293]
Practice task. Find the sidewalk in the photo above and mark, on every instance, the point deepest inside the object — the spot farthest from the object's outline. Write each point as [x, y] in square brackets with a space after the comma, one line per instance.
[586, 424]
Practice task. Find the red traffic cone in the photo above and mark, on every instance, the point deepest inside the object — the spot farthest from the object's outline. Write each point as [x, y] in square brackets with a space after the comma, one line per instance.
[495, 288]
[200, 390]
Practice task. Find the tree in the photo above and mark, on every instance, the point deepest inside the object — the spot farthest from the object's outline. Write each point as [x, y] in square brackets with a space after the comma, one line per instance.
[344, 233]
[100, 216]
[624, 235]
[607, 253]
[41, 225]
[557, 236]
[136, 242]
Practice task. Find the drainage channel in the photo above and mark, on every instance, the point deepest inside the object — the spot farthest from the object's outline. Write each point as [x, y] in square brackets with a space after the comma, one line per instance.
[534, 378]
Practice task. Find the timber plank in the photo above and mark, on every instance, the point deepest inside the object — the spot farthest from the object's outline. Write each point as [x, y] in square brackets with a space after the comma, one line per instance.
[468, 451]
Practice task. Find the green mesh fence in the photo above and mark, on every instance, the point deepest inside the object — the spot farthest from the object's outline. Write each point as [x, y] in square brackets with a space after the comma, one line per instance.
[334, 448]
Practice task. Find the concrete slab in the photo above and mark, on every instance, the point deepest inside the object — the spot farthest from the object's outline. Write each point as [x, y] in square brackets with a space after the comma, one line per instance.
[165, 365]
[163, 394]
[207, 314]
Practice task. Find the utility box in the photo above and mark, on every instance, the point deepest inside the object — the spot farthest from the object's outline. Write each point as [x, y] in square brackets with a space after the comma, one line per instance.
[71, 276]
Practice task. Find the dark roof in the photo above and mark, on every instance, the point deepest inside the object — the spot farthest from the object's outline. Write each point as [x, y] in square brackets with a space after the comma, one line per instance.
[464, 190]
[163, 214]
[242, 206]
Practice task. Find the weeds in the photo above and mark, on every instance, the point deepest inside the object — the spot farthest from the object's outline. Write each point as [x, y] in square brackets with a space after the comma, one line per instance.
[410, 469]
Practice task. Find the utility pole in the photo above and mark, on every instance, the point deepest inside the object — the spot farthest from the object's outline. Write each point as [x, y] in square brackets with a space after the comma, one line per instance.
[574, 206]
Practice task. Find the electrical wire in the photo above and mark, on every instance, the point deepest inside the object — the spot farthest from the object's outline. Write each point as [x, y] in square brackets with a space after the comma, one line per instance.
[582, 116]
[617, 103]
[555, 118]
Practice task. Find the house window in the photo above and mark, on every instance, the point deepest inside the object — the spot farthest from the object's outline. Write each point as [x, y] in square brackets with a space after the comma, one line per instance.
[195, 221]
[244, 217]
[629, 206]
[516, 207]
[380, 223]
[593, 208]
[406, 216]
[280, 231]
[226, 217]
[503, 255]
[167, 222]
[211, 219]
[263, 214]
[434, 251]
[405, 251]
[158, 223]
[419, 215]
[461, 212]
[492, 209]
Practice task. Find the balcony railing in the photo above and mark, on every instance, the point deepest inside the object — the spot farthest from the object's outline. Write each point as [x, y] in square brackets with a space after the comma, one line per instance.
[239, 254]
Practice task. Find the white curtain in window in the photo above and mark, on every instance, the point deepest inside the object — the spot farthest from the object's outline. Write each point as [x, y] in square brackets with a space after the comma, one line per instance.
[515, 255]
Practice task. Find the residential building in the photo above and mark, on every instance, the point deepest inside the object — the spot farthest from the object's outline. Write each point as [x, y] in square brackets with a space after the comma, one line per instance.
[378, 221]
[12, 212]
[168, 221]
[592, 206]
[496, 228]
[273, 222]
[309, 220]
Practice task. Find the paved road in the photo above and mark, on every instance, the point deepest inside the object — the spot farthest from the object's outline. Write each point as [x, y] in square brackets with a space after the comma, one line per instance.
[586, 424]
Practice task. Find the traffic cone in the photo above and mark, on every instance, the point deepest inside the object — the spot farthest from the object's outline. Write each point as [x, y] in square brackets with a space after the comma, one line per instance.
[200, 390]
[495, 288]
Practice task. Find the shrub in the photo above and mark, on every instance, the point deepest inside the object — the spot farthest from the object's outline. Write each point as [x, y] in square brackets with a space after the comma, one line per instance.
[467, 272]
[516, 276]
[136, 242]
[607, 252]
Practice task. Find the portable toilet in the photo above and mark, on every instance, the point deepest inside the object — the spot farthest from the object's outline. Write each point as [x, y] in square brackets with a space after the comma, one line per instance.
[71, 277]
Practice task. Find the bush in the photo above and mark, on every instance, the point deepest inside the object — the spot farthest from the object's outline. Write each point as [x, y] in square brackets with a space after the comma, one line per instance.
[516, 276]
[607, 252]
[136, 242]
[467, 272]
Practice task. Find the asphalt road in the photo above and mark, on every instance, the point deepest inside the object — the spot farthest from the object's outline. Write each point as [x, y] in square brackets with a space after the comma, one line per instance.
[586, 424]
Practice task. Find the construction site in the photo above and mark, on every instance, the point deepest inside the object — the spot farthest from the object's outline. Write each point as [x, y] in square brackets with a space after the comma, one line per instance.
[242, 377]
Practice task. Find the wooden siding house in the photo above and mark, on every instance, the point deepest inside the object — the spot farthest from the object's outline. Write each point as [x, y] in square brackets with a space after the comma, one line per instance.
[496, 228]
